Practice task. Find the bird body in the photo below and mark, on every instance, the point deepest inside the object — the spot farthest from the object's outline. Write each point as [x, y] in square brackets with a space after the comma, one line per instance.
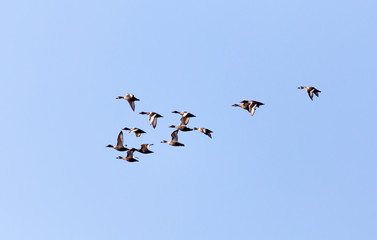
[205, 131]
[250, 106]
[137, 131]
[174, 140]
[119, 145]
[181, 127]
[129, 157]
[185, 116]
[144, 148]
[152, 117]
[310, 91]
[131, 100]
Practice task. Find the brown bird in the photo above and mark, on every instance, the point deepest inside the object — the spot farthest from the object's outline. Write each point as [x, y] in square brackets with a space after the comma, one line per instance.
[174, 140]
[249, 105]
[252, 105]
[119, 145]
[181, 127]
[137, 131]
[310, 91]
[152, 117]
[144, 148]
[131, 100]
[130, 156]
[205, 131]
[185, 117]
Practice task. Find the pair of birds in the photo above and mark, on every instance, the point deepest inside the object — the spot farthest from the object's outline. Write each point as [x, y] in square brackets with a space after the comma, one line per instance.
[250, 106]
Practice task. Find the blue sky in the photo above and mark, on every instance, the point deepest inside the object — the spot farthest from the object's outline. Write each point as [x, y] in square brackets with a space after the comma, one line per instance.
[298, 169]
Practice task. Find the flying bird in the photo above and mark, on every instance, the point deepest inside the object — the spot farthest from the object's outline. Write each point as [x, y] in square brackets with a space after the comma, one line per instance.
[144, 148]
[152, 117]
[310, 91]
[249, 106]
[205, 131]
[130, 156]
[181, 127]
[137, 131]
[185, 116]
[174, 140]
[119, 145]
[131, 100]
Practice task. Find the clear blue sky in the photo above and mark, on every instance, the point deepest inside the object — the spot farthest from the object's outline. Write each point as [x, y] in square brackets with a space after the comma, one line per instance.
[298, 169]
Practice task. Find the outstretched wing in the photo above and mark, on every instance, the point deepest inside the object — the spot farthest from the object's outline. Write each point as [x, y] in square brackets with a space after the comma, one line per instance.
[120, 139]
[310, 92]
[185, 120]
[130, 153]
[153, 120]
[252, 109]
[174, 136]
[132, 104]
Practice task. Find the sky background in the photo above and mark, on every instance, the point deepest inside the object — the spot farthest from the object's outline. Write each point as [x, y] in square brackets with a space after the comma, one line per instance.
[298, 169]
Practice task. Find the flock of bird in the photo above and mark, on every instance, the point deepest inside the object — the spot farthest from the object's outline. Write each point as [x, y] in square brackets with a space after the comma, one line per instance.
[249, 106]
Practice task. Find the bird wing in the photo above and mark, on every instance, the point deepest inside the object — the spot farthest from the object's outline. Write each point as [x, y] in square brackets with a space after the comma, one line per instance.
[310, 92]
[316, 91]
[153, 120]
[130, 153]
[174, 136]
[120, 139]
[132, 104]
[252, 109]
[185, 120]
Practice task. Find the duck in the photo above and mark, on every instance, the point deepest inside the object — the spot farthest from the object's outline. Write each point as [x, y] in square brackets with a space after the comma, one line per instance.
[248, 105]
[131, 100]
[174, 140]
[204, 130]
[119, 145]
[137, 131]
[185, 116]
[130, 156]
[181, 127]
[152, 117]
[252, 105]
[144, 148]
[310, 91]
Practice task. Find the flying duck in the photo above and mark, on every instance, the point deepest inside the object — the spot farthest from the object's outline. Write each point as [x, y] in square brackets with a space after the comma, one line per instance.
[130, 156]
[205, 131]
[131, 100]
[119, 145]
[174, 139]
[181, 127]
[310, 91]
[152, 117]
[137, 131]
[144, 148]
[185, 116]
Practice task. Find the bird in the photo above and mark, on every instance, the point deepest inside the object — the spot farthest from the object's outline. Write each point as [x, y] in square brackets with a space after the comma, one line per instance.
[137, 131]
[152, 117]
[181, 127]
[119, 145]
[310, 91]
[131, 100]
[144, 148]
[252, 105]
[204, 130]
[185, 116]
[174, 139]
[130, 156]
[248, 105]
